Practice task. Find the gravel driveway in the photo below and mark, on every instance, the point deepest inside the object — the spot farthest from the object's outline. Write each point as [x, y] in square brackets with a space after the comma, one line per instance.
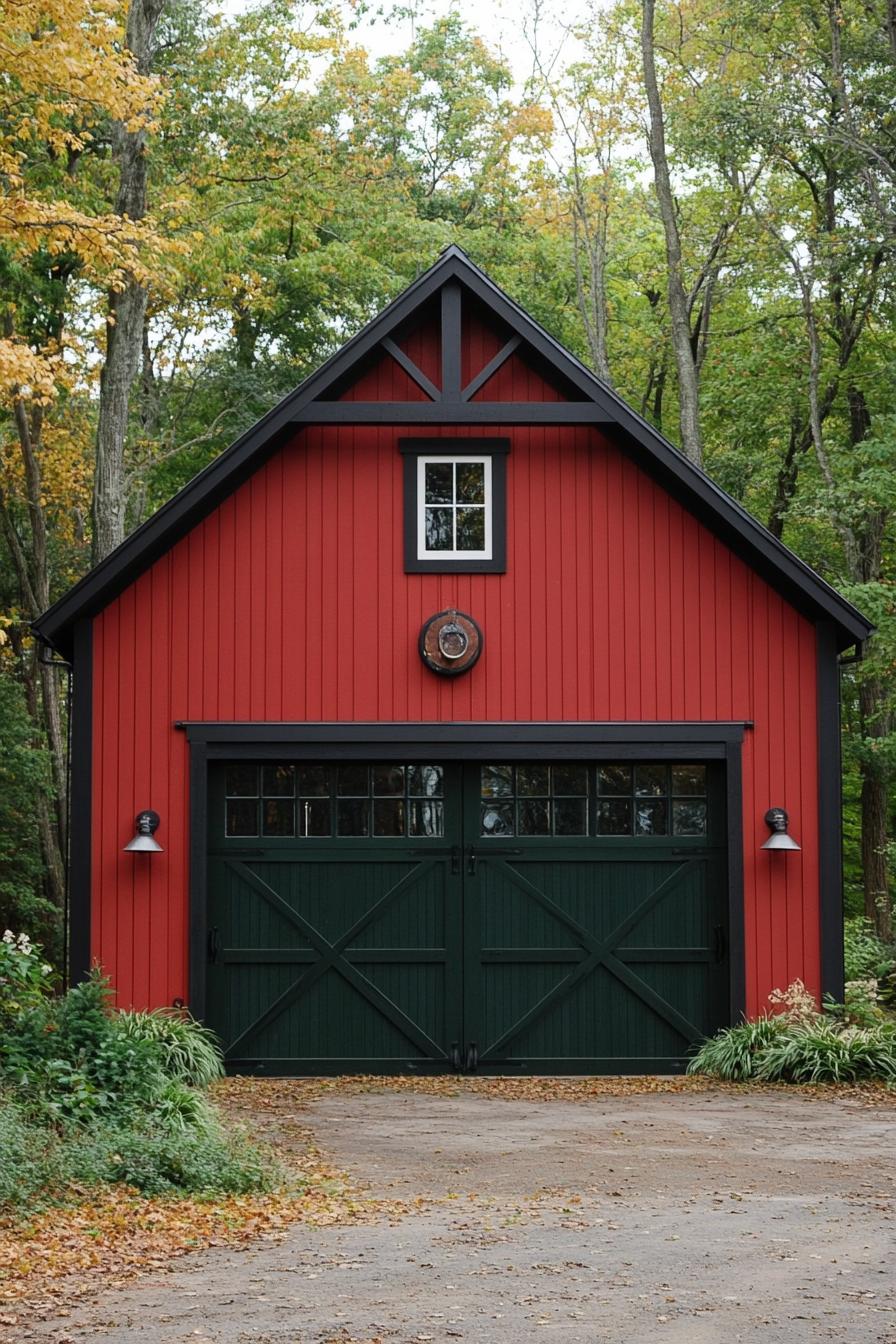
[696, 1217]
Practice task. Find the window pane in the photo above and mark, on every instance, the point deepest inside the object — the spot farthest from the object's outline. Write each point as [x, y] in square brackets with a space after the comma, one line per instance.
[314, 817]
[570, 817]
[439, 530]
[439, 482]
[470, 483]
[689, 818]
[242, 780]
[313, 780]
[497, 818]
[532, 781]
[534, 817]
[650, 817]
[242, 817]
[425, 817]
[570, 779]
[388, 816]
[353, 817]
[689, 780]
[471, 529]
[650, 779]
[388, 779]
[614, 816]
[614, 779]
[425, 781]
[351, 780]
[497, 781]
[278, 817]
[277, 781]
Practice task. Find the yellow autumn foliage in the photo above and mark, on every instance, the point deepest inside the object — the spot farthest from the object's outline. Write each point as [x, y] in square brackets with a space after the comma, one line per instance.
[64, 71]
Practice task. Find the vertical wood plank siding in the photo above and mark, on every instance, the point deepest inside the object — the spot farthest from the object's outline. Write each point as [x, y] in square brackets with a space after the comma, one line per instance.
[290, 602]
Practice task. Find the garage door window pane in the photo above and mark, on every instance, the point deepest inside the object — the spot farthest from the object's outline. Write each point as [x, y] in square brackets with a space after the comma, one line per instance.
[388, 816]
[497, 819]
[497, 781]
[351, 781]
[315, 818]
[614, 779]
[570, 816]
[569, 780]
[689, 781]
[313, 781]
[533, 781]
[614, 816]
[426, 817]
[241, 781]
[353, 816]
[278, 781]
[424, 781]
[689, 818]
[278, 816]
[650, 779]
[388, 779]
[242, 816]
[534, 816]
[650, 816]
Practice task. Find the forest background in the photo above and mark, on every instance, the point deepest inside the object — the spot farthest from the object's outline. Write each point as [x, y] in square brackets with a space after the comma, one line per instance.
[698, 197]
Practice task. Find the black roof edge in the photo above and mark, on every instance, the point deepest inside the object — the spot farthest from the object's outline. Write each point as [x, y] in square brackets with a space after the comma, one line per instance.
[200, 495]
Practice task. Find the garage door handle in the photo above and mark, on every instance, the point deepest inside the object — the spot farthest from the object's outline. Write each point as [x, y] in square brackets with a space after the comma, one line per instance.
[721, 948]
[455, 1056]
[214, 945]
[472, 1057]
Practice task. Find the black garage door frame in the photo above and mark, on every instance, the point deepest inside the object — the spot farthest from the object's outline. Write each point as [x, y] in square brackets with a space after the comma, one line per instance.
[211, 742]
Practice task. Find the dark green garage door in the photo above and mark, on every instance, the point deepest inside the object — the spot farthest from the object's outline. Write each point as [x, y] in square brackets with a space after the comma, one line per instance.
[537, 917]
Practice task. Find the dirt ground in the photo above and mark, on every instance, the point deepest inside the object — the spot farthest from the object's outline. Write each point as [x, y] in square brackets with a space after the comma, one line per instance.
[690, 1218]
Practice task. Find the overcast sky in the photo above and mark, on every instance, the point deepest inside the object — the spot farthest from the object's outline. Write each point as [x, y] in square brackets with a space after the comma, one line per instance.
[500, 22]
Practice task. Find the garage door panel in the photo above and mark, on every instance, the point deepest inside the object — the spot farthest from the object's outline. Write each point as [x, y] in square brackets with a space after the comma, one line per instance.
[319, 1024]
[550, 952]
[598, 1017]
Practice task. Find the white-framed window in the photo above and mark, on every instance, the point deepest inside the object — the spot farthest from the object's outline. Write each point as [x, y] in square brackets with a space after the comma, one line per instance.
[455, 505]
[454, 508]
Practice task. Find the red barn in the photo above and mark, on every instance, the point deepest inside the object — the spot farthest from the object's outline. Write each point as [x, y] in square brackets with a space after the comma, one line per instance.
[460, 699]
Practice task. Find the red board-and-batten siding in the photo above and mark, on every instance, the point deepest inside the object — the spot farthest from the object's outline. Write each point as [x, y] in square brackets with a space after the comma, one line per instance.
[290, 602]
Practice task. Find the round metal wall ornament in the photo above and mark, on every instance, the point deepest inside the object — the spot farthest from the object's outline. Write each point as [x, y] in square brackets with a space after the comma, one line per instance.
[450, 642]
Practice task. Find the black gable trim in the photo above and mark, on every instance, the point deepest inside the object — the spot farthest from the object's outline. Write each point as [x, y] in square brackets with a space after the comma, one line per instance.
[653, 453]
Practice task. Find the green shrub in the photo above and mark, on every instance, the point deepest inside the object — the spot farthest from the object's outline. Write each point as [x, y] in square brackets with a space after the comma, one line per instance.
[160, 1161]
[25, 978]
[28, 1157]
[190, 1052]
[734, 1053]
[827, 1053]
[91, 1095]
[860, 1006]
[865, 956]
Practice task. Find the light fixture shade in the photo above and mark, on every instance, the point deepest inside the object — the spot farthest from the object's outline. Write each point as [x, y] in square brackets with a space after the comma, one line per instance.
[144, 842]
[777, 820]
[780, 840]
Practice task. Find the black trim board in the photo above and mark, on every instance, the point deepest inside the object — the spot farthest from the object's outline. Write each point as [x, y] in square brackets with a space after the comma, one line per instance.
[81, 785]
[462, 741]
[497, 450]
[830, 813]
[484, 737]
[455, 275]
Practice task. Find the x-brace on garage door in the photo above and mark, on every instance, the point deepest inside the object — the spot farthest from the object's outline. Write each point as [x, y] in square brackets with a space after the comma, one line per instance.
[565, 916]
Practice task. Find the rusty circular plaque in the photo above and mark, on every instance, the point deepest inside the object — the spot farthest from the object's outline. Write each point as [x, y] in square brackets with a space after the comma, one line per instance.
[450, 642]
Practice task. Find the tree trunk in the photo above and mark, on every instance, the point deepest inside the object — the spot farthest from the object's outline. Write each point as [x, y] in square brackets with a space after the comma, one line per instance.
[127, 311]
[688, 384]
[874, 803]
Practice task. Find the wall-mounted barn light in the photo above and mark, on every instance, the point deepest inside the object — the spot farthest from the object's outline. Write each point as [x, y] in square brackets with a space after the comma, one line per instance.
[145, 841]
[776, 819]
